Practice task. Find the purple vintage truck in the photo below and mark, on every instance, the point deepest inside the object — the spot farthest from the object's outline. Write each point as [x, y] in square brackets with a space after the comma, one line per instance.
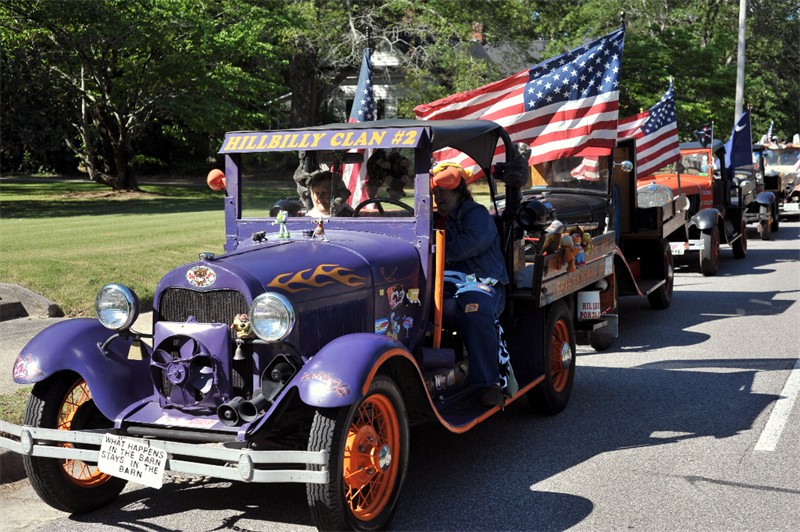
[306, 350]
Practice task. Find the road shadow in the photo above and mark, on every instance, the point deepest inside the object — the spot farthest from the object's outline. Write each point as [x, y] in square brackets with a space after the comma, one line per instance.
[202, 500]
[755, 263]
[488, 478]
[672, 326]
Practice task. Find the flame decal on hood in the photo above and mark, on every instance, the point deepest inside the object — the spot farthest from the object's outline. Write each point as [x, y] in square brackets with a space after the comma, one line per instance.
[323, 275]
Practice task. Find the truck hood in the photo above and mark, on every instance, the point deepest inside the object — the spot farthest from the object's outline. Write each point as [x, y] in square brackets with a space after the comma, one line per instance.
[302, 268]
[578, 208]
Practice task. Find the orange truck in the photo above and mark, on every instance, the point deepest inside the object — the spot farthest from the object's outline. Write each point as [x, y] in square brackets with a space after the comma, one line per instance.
[719, 203]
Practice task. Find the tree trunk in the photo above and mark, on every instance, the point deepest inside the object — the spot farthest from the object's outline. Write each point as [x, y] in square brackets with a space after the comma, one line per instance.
[303, 82]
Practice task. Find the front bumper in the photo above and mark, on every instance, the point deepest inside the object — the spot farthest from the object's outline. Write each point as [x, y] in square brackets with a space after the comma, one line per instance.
[212, 460]
[681, 248]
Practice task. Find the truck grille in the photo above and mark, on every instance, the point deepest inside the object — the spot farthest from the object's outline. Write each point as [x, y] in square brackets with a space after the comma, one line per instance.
[215, 306]
[319, 326]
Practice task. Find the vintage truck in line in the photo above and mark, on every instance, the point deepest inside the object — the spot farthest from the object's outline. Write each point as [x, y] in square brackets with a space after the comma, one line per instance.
[778, 166]
[721, 204]
[306, 350]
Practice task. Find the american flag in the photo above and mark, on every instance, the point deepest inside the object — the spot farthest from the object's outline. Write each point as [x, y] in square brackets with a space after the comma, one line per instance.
[355, 175]
[588, 169]
[629, 128]
[656, 134]
[565, 106]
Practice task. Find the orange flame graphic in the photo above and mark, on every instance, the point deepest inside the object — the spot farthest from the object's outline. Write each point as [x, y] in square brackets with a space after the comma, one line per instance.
[323, 275]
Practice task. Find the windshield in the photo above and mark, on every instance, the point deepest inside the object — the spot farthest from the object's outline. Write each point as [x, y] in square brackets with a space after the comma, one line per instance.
[781, 157]
[328, 184]
[689, 163]
[581, 173]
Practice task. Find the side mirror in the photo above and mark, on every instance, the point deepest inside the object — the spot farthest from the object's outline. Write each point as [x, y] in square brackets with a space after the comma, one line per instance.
[626, 166]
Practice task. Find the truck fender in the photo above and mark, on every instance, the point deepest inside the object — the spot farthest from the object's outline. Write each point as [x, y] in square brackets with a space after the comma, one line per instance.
[706, 219]
[326, 382]
[766, 198]
[74, 345]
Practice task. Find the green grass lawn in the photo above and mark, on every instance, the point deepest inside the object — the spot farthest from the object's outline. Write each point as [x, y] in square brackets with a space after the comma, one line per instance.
[65, 240]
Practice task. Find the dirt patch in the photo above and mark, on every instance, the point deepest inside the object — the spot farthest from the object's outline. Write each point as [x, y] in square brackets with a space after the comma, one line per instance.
[106, 194]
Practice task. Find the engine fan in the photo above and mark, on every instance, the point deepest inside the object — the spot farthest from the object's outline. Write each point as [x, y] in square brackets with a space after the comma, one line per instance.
[184, 373]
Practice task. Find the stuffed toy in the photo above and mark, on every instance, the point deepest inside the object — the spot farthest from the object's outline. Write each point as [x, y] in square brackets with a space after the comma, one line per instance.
[568, 254]
[586, 241]
[577, 250]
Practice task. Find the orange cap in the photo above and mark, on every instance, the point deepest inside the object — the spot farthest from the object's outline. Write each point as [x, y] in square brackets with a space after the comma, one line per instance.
[448, 175]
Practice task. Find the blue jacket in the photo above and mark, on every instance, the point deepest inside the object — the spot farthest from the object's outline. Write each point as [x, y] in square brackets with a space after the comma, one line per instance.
[472, 244]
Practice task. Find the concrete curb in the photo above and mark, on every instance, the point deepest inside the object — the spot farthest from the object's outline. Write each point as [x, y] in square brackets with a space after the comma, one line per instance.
[12, 296]
[11, 468]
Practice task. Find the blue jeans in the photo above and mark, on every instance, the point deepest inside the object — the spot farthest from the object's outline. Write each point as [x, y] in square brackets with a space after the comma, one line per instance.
[479, 307]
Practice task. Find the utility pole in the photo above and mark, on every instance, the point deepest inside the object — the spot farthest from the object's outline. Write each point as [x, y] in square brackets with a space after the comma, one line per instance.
[740, 60]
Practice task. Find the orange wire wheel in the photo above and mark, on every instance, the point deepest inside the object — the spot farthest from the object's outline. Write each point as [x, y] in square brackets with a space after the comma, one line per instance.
[368, 454]
[369, 470]
[77, 471]
[63, 401]
[556, 364]
[560, 356]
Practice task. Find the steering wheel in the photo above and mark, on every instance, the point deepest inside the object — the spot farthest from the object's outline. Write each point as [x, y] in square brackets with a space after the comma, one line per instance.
[692, 171]
[378, 202]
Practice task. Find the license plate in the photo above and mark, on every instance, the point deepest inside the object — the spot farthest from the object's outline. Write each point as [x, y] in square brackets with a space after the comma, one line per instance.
[677, 248]
[134, 460]
[793, 207]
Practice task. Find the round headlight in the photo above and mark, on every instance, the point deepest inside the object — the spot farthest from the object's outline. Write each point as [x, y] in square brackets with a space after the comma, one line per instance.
[271, 317]
[117, 306]
[653, 195]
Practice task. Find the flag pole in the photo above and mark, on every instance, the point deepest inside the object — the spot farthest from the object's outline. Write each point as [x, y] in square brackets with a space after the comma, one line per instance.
[740, 60]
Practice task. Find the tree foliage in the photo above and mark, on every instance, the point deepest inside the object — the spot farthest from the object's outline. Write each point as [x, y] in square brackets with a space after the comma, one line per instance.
[695, 43]
[123, 64]
[121, 81]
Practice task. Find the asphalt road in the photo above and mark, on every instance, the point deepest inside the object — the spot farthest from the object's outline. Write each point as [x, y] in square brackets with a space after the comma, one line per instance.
[687, 423]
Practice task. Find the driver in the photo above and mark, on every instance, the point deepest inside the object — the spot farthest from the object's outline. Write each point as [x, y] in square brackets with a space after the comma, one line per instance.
[477, 270]
[322, 185]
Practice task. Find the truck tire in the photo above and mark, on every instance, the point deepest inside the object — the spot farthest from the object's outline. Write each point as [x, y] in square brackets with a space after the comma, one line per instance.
[368, 446]
[740, 245]
[764, 226]
[601, 341]
[709, 255]
[661, 298]
[63, 401]
[776, 223]
[557, 362]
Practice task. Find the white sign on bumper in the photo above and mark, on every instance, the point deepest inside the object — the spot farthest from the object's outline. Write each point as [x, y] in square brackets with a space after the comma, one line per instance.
[134, 460]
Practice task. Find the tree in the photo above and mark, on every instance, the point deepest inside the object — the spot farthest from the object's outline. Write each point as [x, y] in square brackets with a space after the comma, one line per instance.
[433, 39]
[123, 62]
[694, 41]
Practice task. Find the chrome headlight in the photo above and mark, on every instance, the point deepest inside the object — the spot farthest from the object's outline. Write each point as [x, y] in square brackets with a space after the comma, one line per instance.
[271, 317]
[653, 195]
[117, 306]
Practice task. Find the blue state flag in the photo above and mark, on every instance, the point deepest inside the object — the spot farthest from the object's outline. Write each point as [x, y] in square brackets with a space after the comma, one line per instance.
[739, 148]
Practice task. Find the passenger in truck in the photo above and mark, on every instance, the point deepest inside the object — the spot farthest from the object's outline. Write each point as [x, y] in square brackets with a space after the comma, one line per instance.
[323, 186]
[475, 276]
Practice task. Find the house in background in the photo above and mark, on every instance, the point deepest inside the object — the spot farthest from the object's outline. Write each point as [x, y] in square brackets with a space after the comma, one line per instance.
[388, 74]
